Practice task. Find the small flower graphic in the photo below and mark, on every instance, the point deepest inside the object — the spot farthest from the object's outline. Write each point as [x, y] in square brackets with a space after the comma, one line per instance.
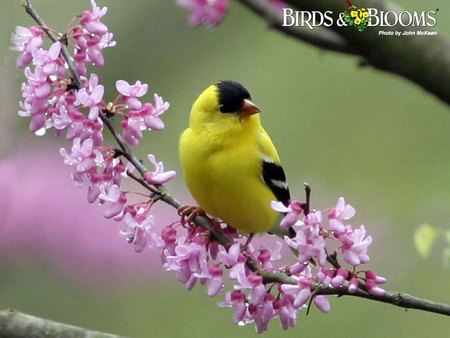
[356, 17]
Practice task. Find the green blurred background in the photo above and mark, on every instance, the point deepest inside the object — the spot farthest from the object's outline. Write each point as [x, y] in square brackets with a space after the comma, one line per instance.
[374, 138]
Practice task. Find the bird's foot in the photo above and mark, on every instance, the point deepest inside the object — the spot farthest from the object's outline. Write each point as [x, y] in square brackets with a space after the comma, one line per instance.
[189, 212]
[247, 242]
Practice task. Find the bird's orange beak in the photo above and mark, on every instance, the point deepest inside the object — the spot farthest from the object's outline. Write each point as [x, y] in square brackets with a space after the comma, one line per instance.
[249, 108]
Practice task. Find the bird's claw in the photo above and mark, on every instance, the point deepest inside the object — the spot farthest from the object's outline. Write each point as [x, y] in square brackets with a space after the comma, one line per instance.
[189, 212]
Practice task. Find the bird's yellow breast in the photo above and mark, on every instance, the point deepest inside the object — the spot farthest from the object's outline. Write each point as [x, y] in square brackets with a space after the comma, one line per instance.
[223, 166]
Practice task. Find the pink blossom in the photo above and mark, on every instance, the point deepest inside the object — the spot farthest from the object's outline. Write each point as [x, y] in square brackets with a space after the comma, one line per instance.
[94, 52]
[309, 244]
[239, 273]
[263, 312]
[340, 277]
[279, 207]
[25, 40]
[296, 294]
[160, 107]
[159, 176]
[91, 38]
[76, 126]
[170, 239]
[40, 85]
[339, 213]
[371, 283]
[47, 59]
[33, 106]
[82, 155]
[215, 282]
[151, 113]
[314, 218]
[236, 300]
[298, 267]
[131, 93]
[106, 41]
[374, 289]
[300, 292]
[377, 279]
[258, 289]
[138, 230]
[147, 117]
[231, 256]
[237, 264]
[115, 198]
[190, 261]
[322, 303]
[80, 126]
[131, 126]
[91, 97]
[114, 167]
[210, 12]
[91, 20]
[354, 246]
[324, 275]
[81, 38]
[353, 285]
[266, 256]
[292, 212]
[59, 118]
[287, 312]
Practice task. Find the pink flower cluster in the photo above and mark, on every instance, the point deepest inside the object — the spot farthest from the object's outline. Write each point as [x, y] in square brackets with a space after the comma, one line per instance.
[210, 12]
[196, 258]
[53, 99]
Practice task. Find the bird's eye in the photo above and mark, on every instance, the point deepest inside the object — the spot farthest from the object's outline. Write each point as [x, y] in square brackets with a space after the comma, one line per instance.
[231, 96]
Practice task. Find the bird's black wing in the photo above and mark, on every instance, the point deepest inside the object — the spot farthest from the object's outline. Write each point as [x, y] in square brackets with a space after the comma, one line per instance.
[273, 175]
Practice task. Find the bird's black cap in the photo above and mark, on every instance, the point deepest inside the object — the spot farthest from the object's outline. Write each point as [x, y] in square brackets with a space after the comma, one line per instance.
[231, 96]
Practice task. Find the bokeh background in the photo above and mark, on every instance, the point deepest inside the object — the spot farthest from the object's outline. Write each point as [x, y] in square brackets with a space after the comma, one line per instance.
[372, 137]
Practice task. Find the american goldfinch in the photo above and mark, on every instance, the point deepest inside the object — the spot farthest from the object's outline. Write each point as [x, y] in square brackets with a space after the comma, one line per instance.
[230, 164]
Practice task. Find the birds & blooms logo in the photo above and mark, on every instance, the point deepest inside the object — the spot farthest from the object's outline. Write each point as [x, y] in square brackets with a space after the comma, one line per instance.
[362, 18]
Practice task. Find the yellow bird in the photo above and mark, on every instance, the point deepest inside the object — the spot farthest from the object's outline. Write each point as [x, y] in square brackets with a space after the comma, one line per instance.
[230, 164]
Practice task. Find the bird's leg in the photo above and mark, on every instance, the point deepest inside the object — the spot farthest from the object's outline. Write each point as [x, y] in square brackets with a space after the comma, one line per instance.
[189, 212]
[247, 242]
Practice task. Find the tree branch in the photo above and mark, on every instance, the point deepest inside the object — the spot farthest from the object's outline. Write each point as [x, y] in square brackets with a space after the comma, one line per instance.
[424, 60]
[17, 324]
[395, 298]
